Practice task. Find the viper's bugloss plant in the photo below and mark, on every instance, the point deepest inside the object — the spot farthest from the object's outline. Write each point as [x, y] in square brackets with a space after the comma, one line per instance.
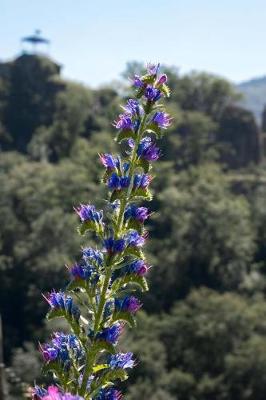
[98, 302]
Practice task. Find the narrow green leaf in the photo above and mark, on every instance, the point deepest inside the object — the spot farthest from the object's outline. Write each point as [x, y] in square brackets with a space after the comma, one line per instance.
[141, 193]
[99, 367]
[134, 251]
[136, 225]
[144, 164]
[166, 90]
[131, 279]
[116, 194]
[101, 345]
[77, 284]
[56, 313]
[87, 226]
[125, 134]
[124, 316]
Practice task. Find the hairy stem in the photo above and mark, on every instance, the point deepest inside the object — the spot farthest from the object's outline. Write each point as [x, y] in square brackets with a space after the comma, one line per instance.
[91, 356]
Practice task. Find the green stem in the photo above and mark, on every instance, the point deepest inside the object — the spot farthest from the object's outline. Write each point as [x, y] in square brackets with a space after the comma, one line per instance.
[98, 317]
[88, 370]
[130, 174]
[120, 220]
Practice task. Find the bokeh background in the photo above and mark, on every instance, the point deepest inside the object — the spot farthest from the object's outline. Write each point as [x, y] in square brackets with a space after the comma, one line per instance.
[202, 332]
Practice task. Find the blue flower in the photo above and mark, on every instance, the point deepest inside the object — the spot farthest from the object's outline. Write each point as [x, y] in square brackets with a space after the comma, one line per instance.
[152, 94]
[141, 181]
[95, 256]
[162, 119]
[137, 82]
[138, 213]
[138, 267]
[121, 360]
[38, 392]
[109, 161]
[133, 107]
[60, 347]
[109, 394]
[148, 150]
[124, 122]
[59, 300]
[81, 271]
[114, 246]
[111, 334]
[116, 182]
[128, 304]
[134, 239]
[88, 212]
[108, 308]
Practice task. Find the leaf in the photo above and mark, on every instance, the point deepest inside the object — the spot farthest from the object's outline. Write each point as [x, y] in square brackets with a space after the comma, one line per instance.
[101, 345]
[77, 284]
[99, 367]
[112, 375]
[154, 128]
[166, 90]
[125, 134]
[131, 279]
[56, 313]
[134, 251]
[87, 226]
[136, 225]
[141, 193]
[144, 164]
[52, 367]
[124, 316]
[116, 194]
[106, 175]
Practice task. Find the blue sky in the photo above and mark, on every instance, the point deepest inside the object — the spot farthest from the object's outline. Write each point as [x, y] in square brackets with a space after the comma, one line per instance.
[93, 39]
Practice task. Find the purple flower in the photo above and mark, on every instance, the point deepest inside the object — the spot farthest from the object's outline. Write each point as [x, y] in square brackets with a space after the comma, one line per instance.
[95, 256]
[138, 267]
[114, 246]
[162, 80]
[49, 353]
[133, 108]
[162, 119]
[116, 182]
[141, 181]
[148, 150]
[88, 212]
[121, 360]
[152, 94]
[81, 271]
[134, 239]
[128, 304]
[53, 393]
[152, 69]
[138, 213]
[59, 300]
[137, 82]
[109, 161]
[124, 121]
[38, 392]
[60, 347]
[111, 334]
[109, 394]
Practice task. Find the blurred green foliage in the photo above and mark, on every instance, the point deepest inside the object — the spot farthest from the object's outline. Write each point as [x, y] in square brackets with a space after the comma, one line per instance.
[202, 334]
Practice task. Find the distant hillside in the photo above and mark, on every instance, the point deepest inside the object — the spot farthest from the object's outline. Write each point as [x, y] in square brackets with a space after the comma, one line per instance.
[254, 92]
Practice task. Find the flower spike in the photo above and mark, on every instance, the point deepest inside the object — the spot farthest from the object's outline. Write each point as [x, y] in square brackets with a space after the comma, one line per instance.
[97, 302]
